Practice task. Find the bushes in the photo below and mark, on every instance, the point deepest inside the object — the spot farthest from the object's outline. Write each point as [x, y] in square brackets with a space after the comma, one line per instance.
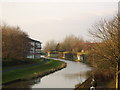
[105, 75]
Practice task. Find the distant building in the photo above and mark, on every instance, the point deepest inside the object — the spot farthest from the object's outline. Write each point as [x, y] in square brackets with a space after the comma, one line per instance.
[52, 54]
[81, 56]
[78, 56]
[35, 50]
[64, 54]
[69, 55]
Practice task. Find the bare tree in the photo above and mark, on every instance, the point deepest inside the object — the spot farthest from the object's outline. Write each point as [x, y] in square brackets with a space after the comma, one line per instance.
[71, 43]
[107, 50]
[50, 45]
[15, 43]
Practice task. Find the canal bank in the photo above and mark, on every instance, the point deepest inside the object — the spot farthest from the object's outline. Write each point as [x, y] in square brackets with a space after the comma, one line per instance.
[32, 72]
[102, 82]
[74, 73]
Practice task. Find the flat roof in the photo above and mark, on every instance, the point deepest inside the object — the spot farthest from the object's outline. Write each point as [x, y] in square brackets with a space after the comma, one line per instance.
[35, 40]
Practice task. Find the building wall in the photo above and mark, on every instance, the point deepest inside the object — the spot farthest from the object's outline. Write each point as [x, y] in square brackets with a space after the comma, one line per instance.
[70, 56]
[35, 49]
[52, 54]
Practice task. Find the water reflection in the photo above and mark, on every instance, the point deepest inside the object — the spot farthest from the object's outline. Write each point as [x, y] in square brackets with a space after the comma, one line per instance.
[79, 76]
[66, 78]
[75, 75]
[23, 84]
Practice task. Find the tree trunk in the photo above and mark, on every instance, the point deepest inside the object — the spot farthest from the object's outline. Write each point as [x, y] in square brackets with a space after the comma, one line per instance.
[119, 43]
[118, 76]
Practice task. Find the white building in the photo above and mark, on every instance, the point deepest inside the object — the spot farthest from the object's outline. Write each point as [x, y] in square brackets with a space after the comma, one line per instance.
[35, 49]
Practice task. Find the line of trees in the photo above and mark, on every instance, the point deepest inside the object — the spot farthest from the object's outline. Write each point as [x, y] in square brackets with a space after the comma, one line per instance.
[15, 43]
[70, 43]
[107, 51]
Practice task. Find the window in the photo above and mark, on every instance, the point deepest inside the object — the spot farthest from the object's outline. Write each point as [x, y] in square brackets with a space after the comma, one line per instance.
[37, 50]
[38, 45]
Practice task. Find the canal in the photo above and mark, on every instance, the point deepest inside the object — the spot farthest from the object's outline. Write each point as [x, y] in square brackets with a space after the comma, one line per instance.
[74, 73]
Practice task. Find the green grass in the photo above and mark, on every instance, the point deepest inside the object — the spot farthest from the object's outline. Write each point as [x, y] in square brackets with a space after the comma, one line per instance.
[31, 62]
[18, 62]
[26, 72]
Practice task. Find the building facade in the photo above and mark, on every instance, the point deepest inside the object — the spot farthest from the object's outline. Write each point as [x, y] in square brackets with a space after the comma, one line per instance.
[35, 51]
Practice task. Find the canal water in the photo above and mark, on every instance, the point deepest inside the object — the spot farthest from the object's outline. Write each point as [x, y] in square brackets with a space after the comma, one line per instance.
[74, 73]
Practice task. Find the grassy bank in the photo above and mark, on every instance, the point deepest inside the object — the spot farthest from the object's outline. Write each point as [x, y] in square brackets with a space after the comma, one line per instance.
[34, 71]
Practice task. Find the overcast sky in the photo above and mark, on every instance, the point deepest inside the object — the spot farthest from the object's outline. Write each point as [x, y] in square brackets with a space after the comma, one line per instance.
[54, 19]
